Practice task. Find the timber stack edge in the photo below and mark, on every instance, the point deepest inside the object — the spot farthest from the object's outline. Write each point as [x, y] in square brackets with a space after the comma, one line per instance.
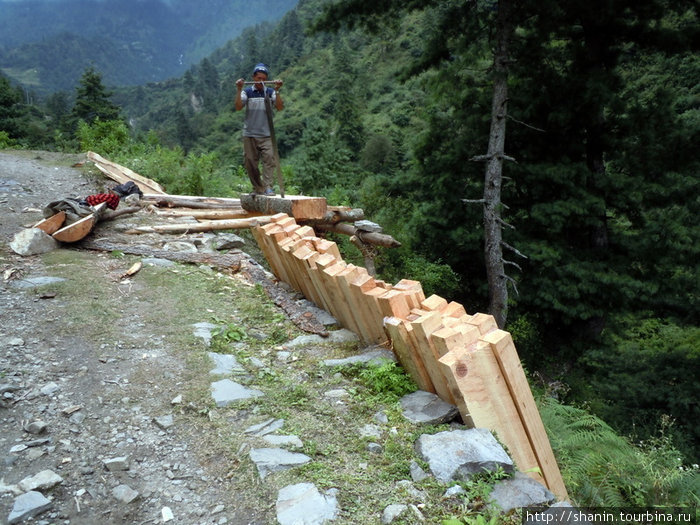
[464, 359]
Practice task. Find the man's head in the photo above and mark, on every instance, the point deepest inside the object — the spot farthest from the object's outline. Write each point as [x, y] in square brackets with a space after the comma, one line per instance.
[260, 74]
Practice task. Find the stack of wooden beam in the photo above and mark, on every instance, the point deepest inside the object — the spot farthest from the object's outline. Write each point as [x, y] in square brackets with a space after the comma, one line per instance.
[464, 359]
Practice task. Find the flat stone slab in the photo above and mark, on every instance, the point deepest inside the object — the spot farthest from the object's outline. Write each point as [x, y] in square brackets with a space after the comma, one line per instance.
[269, 460]
[520, 491]
[225, 364]
[41, 481]
[204, 331]
[27, 505]
[226, 392]
[457, 455]
[303, 504]
[373, 357]
[35, 282]
[283, 441]
[422, 407]
[336, 336]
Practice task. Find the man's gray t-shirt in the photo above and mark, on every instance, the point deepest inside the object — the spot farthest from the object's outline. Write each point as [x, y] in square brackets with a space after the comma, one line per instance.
[255, 123]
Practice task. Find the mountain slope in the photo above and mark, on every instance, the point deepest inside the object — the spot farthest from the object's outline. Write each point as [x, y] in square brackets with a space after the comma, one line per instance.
[45, 45]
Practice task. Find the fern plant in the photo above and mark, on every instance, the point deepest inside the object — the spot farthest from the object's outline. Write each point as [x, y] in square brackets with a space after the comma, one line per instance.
[603, 469]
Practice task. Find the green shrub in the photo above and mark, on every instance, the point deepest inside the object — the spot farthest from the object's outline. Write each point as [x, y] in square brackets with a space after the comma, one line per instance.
[603, 469]
[6, 141]
[105, 137]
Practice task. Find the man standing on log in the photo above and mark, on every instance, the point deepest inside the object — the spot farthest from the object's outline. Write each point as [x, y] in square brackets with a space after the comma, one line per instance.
[257, 140]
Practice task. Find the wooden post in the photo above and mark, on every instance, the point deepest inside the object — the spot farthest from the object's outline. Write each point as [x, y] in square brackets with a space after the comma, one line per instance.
[488, 401]
[507, 357]
[423, 328]
[411, 361]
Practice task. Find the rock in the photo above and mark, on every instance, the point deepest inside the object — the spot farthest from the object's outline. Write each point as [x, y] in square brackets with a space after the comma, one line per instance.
[303, 504]
[374, 448]
[227, 241]
[373, 357]
[264, 428]
[203, 331]
[269, 460]
[179, 246]
[368, 226]
[520, 491]
[44, 480]
[337, 336]
[28, 505]
[33, 282]
[320, 314]
[422, 407]
[393, 512]
[116, 464]
[167, 514]
[35, 427]
[226, 392]
[50, 388]
[33, 241]
[456, 455]
[283, 441]
[371, 431]
[124, 493]
[225, 364]
[164, 422]
[157, 261]
[336, 393]
[417, 473]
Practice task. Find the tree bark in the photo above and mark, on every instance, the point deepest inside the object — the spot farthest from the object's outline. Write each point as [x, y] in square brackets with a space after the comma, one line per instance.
[493, 248]
[377, 239]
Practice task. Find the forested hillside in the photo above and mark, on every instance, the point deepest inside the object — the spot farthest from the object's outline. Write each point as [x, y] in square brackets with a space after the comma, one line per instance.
[46, 44]
[392, 112]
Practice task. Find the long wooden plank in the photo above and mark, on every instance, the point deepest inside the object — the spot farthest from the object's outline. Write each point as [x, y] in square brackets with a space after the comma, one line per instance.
[489, 403]
[344, 279]
[394, 303]
[363, 284]
[304, 259]
[121, 174]
[397, 329]
[414, 291]
[423, 328]
[203, 226]
[376, 317]
[507, 356]
[268, 245]
[330, 276]
[434, 303]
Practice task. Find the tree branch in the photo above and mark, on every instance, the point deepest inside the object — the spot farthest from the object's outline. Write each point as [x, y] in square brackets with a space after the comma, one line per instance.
[512, 249]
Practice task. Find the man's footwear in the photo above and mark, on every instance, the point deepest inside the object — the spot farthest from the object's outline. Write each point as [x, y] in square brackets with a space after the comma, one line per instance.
[269, 192]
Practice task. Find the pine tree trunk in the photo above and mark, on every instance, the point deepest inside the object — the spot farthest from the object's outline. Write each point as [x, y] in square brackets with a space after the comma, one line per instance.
[493, 250]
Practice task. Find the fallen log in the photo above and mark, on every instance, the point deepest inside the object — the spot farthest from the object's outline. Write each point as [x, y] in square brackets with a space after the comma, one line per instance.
[300, 207]
[208, 214]
[191, 201]
[204, 226]
[336, 214]
[377, 239]
[121, 174]
[111, 215]
[232, 261]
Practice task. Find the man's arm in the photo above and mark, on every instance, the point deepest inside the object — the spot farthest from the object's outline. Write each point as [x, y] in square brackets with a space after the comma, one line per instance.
[279, 103]
[238, 103]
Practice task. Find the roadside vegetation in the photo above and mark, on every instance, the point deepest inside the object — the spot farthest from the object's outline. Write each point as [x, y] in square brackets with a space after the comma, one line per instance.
[606, 309]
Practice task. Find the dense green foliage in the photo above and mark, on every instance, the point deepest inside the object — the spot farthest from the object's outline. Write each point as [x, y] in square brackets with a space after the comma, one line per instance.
[602, 199]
